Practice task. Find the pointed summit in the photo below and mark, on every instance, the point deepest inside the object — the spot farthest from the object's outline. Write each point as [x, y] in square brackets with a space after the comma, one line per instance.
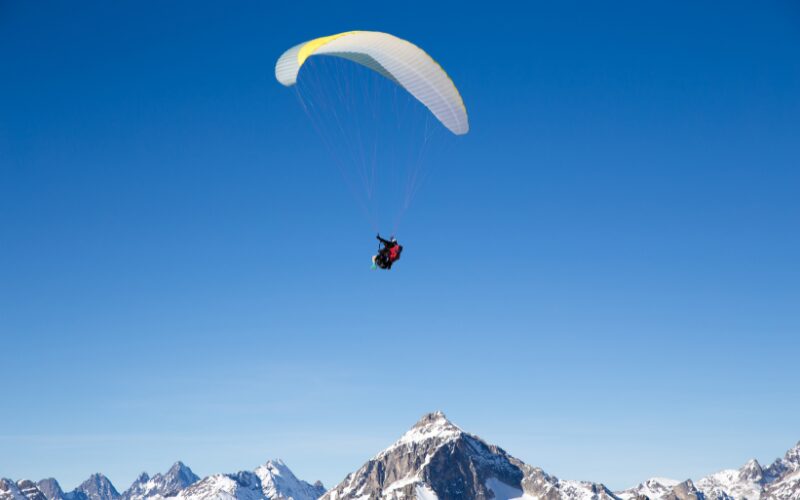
[431, 427]
[655, 488]
[278, 481]
[142, 478]
[178, 477]
[432, 417]
[438, 460]
[751, 471]
[177, 467]
[97, 487]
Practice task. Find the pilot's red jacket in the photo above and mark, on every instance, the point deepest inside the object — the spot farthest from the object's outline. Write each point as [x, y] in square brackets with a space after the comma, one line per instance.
[394, 253]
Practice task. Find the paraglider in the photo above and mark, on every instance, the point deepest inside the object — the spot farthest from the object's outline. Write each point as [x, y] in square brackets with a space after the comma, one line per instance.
[388, 253]
[380, 104]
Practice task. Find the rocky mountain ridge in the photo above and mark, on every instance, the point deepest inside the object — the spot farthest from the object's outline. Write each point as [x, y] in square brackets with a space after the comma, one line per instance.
[434, 460]
[271, 481]
[778, 481]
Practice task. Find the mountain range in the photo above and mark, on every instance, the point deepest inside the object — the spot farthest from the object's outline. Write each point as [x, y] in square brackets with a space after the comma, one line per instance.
[434, 460]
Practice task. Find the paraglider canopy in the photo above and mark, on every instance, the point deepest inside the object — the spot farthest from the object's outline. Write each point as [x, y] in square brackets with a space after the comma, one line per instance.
[396, 59]
[384, 110]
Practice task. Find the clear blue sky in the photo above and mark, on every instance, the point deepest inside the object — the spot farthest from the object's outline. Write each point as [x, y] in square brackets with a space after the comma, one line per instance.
[626, 301]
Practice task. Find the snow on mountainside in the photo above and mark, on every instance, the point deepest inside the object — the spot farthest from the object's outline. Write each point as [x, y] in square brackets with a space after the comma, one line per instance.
[655, 487]
[786, 489]
[779, 481]
[746, 482]
[438, 460]
[271, 481]
[786, 470]
[239, 486]
[10, 491]
[277, 481]
[786, 465]
[659, 488]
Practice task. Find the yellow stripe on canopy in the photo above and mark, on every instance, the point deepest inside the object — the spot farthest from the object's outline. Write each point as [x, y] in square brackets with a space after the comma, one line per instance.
[309, 48]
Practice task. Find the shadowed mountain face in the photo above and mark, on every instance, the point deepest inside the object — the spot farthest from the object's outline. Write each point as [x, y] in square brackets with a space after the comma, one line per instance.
[51, 489]
[97, 487]
[434, 460]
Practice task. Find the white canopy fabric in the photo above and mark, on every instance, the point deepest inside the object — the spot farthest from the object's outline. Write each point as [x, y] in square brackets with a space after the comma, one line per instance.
[397, 59]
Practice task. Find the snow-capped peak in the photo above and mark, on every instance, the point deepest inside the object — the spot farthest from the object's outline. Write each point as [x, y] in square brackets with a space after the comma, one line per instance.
[655, 488]
[751, 471]
[278, 481]
[437, 460]
[275, 464]
[741, 483]
[433, 426]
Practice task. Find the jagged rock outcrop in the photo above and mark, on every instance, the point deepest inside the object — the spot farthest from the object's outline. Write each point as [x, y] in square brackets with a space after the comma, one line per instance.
[51, 489]
[10, 491]
[779, 481]
[786, 474]
[30, 491]
[169, 484]
[744, 483]
[97, 487]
